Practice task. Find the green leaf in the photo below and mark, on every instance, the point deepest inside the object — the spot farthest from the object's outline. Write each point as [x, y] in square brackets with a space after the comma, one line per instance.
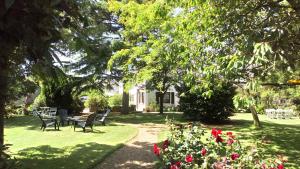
[9, 3]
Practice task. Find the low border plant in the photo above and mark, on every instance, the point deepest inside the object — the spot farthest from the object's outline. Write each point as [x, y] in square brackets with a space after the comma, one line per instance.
[187, 148]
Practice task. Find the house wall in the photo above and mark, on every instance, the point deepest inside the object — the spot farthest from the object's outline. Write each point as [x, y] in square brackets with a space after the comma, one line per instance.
[149, 96]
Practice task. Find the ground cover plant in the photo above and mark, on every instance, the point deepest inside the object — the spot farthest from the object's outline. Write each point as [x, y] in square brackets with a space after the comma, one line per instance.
[62, 149]
[277, 139]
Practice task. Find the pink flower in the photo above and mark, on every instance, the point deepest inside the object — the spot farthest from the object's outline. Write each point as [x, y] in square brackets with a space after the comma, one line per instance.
[230, 141]
[203, 152]
[189, 158]
[166, 144]
[264, 166]
[234, 156]
[280, 166]
[216, 132]
[176, 165]
[156, 150]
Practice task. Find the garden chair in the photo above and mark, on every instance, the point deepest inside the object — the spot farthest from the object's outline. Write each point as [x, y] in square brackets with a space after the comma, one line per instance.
[48, 122]
[52, 111]
[101, 117]
[63, 117]
[89, 122]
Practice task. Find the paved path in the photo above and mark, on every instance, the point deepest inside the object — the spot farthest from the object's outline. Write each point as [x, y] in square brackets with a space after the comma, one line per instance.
[136, 154]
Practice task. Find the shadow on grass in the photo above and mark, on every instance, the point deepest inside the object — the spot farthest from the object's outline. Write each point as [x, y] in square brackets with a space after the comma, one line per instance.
[30, 122]
[139, 118]
[81, 156]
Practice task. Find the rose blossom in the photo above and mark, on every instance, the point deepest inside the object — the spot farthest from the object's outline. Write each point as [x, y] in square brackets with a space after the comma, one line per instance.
[203, 151]
[234, 156]
[156, 150]
[280, 166]
[189, 158]
[230, 141]
[216, 132]
[166, 144]
[176, 165]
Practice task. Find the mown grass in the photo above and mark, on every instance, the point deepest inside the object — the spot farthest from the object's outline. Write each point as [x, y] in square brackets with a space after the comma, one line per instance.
[64, 149]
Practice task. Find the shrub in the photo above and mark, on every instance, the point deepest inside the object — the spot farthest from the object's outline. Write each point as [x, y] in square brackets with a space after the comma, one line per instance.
[185, 148]
[115, 100]
[6, 161]
[96, 101]
[216, 108]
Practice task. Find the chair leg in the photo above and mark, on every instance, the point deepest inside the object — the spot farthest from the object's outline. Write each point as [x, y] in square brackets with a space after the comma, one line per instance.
[57, 125]
[83, 129]
[92, 128]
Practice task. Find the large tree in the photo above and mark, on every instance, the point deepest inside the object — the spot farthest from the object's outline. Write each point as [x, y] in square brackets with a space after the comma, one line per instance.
[232, 41]
[36, 32]
[148, 56]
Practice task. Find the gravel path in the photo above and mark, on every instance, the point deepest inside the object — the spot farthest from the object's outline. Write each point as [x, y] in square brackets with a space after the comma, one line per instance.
[136, 154]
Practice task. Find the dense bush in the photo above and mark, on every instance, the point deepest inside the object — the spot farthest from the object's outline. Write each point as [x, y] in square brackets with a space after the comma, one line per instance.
[115, 100]
[96, 101]
[218, 107]
[185, 148]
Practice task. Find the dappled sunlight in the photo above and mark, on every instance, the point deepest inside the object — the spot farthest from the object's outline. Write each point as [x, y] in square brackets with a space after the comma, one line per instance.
[65, 148]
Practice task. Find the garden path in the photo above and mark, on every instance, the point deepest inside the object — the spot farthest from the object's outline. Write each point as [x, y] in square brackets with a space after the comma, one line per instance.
[137, 153]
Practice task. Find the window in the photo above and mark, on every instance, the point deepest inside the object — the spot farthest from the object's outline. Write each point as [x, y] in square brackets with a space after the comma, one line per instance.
[131, 98]
[168, 98]
[141, 97]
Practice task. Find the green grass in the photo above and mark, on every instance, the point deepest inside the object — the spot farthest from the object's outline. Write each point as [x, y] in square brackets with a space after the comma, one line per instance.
[68, 149]
[64, 149]
[276, 137]
[140, 118]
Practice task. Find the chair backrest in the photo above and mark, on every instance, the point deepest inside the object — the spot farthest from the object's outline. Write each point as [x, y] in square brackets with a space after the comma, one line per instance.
[52, 111]
[63, 113]
[41, 118]
[90, 119]
[105, 115]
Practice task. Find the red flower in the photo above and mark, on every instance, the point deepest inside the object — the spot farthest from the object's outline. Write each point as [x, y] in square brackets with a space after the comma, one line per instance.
[229, 134]
[280, 166]
[219, 139]
[173, 166]
[203, 152]
[156, 150]
[230, 141]
[234, 156]
[176, 165]
[189, 158]
[216, 132]
[166, 144]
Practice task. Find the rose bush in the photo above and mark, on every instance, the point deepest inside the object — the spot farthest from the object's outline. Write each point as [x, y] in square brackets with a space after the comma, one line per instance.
[186, 148]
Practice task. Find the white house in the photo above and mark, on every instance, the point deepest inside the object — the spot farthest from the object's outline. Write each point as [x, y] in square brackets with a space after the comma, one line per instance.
[142, 97]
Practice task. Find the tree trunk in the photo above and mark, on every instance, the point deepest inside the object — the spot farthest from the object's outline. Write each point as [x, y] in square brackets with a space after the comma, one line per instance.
[3, 93]
[161, 102]
[125, 102]
[255, 117]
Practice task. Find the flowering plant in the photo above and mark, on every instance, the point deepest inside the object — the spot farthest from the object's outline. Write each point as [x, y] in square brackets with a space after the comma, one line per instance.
[186, 148]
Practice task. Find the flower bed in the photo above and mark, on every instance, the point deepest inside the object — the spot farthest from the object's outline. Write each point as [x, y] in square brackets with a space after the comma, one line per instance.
[186, 148]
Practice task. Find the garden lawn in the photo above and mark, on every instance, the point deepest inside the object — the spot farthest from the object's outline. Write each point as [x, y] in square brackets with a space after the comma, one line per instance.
[276, 137]
[64, 149]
